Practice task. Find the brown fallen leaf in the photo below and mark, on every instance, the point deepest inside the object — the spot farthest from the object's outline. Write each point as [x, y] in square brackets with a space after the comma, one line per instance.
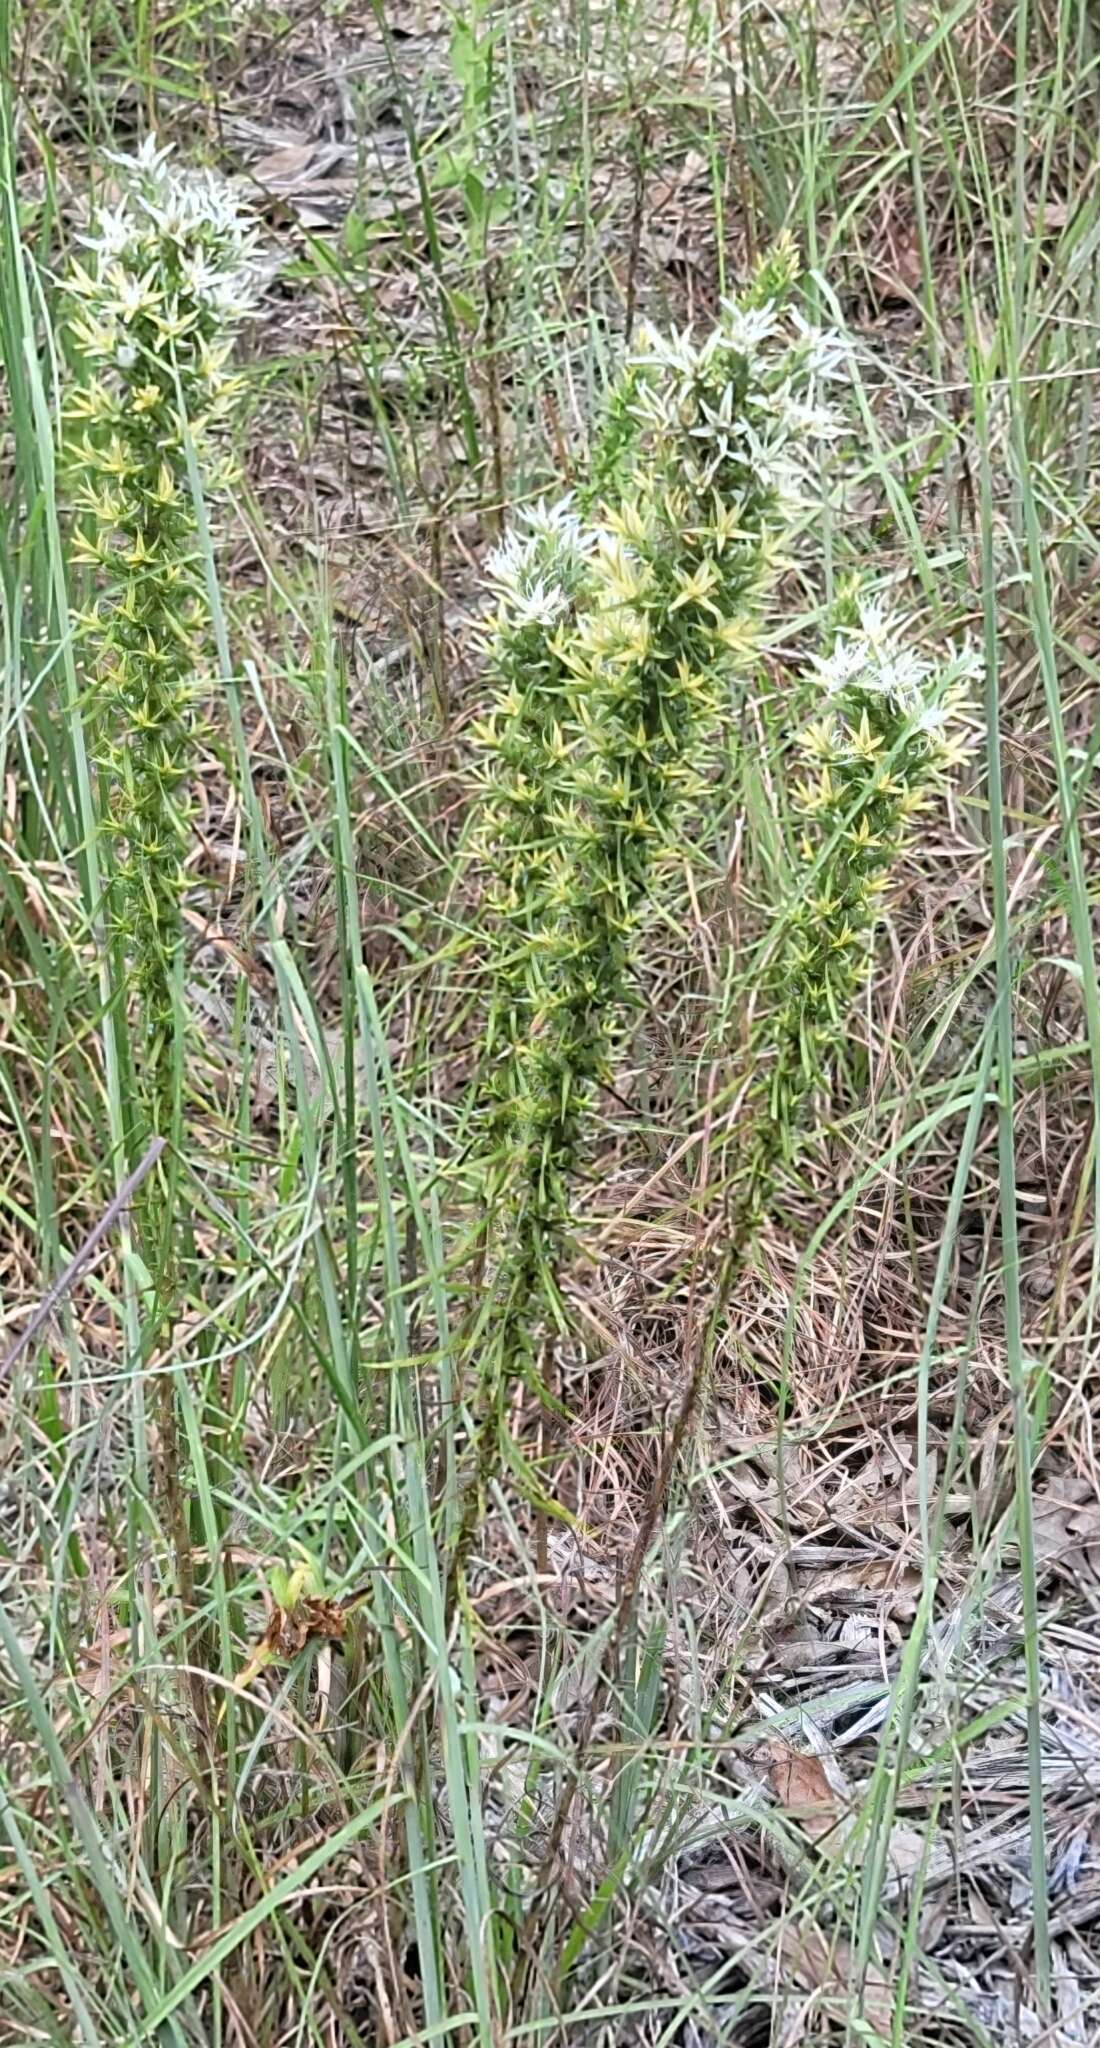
[802, 1785]
[1067, 1527]
[826, 1967]
[814, 1794]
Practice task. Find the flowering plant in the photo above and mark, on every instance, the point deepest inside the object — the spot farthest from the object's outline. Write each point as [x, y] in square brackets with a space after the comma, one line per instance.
[612, 649]
[892, 729]
[170, 273]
